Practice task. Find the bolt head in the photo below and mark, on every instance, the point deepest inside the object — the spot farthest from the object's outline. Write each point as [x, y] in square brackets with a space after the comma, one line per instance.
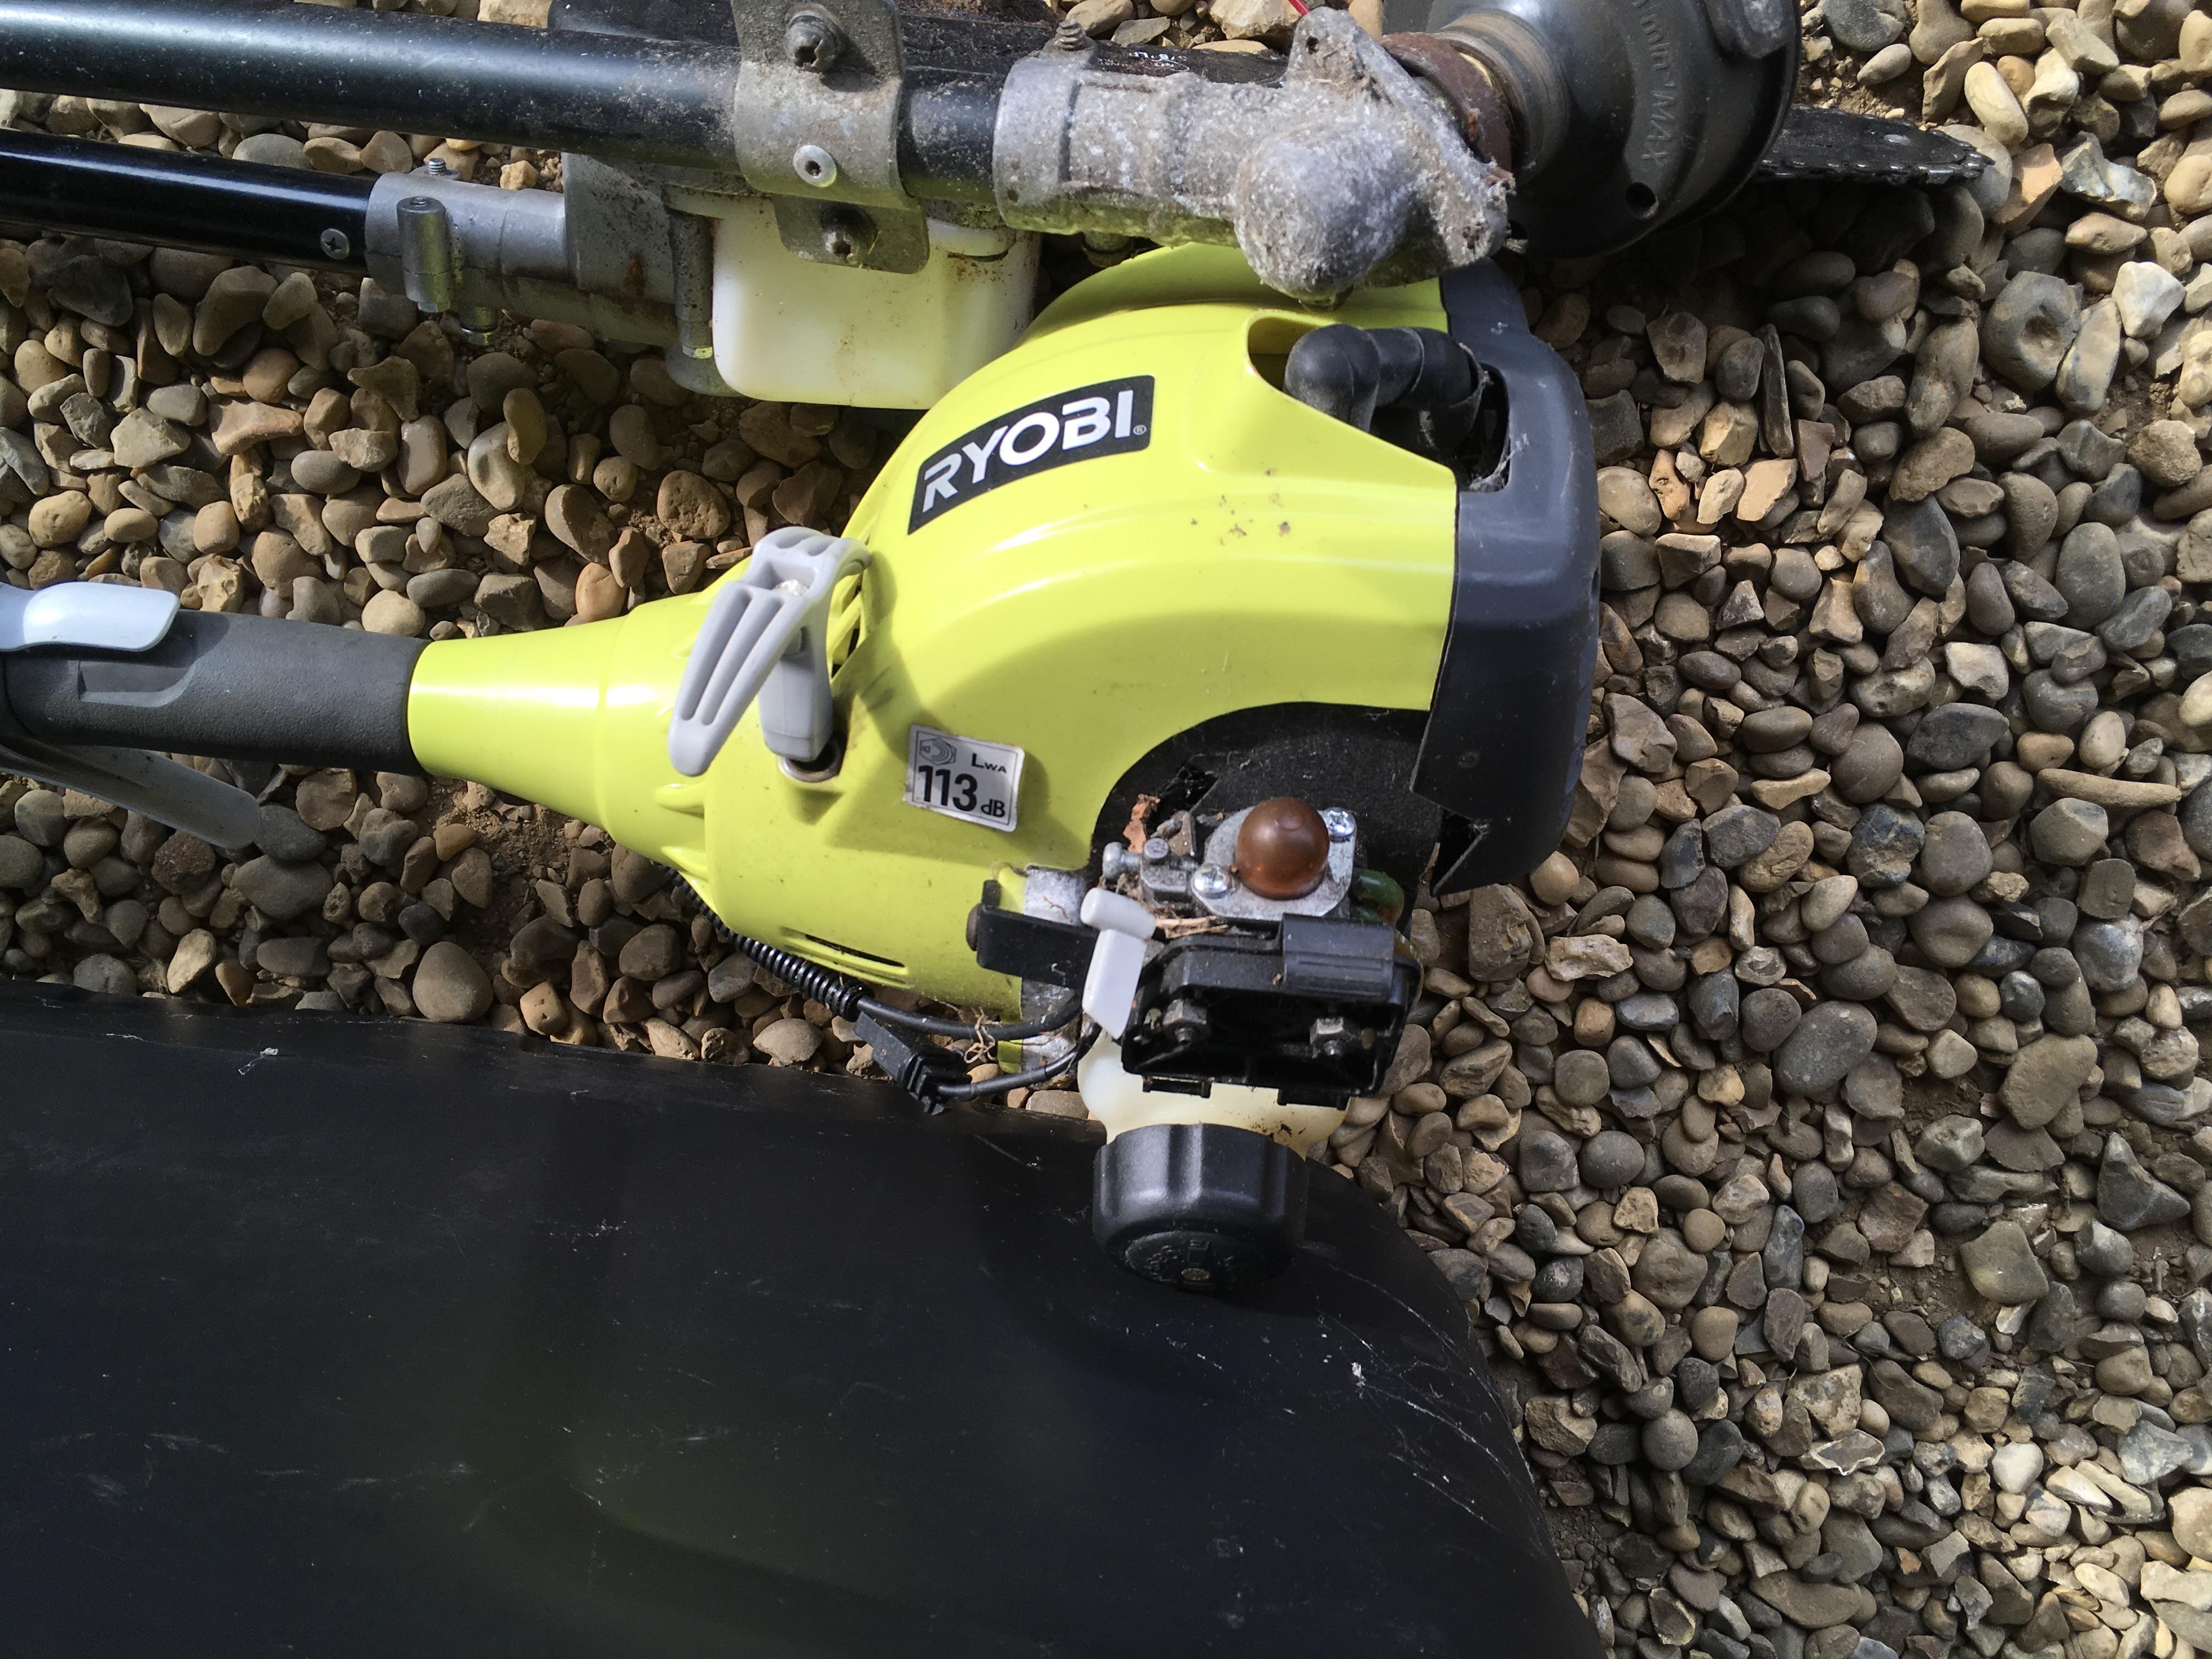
[1331, 1035]
[1340, 824]
[1209, 881]
[813, 43]
[815, 165]
[336, 244]
[847, 235]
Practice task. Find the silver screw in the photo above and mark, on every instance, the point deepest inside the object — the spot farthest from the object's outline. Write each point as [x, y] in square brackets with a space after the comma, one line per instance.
[336, 244]
[1340, 824]
[815, 164]
[436, 167]
[1156, 850]
[1209, 881]
[1116, 861]
[1070, 36]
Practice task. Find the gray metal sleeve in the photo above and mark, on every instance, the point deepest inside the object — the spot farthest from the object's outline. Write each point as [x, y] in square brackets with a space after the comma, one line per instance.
[597, 255]
[232, 688]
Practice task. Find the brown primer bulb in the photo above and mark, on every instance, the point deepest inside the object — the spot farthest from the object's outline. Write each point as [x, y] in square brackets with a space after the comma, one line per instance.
[1282, 848]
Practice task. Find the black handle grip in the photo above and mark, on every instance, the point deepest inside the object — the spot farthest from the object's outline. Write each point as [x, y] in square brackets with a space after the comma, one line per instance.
[232, 688]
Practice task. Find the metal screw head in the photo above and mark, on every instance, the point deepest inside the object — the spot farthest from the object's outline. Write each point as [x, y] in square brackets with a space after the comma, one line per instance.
[847, 235]
[813, 43]
[1209, 881]
[1116, 861]
[1156, 849]
[815, 165]
[1340, 824]
[336, 244]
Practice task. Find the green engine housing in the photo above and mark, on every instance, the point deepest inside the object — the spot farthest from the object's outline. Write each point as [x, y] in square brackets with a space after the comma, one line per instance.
[1156, 535]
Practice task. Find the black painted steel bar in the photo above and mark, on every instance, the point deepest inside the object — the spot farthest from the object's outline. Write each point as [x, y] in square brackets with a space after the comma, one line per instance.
[619, 98]
[73, 186]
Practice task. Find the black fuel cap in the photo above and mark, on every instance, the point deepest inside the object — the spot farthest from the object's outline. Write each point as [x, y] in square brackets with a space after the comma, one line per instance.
[1201, 1207]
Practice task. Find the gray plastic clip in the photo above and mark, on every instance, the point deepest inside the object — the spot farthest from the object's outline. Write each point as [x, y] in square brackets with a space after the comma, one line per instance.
[102, 614]
[765, 639]
[107, 616]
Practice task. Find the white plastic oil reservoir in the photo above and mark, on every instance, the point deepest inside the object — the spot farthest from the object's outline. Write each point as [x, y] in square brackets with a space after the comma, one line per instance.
[799, 331]
[1119, 1099]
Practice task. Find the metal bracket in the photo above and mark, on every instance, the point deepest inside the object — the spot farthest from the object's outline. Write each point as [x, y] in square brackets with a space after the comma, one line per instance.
[765, 638]
[817, 126]
[431, 263]
[104, 616]
[427, 257]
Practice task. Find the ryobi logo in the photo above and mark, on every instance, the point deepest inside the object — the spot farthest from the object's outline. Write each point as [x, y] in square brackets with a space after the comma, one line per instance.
[1111, 418]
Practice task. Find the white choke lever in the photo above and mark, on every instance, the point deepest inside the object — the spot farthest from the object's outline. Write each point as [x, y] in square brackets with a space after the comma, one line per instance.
[1109, 989]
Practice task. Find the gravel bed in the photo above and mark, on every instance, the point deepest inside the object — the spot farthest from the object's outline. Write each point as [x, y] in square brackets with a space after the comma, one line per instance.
[1817, 1136]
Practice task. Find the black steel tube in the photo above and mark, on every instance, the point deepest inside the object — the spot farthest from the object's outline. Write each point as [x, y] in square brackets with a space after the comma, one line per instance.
[945, 135]
[73, 186]
[618, 98]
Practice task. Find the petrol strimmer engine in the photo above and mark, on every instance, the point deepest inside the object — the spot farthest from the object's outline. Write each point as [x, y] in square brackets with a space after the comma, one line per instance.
[1198, 619]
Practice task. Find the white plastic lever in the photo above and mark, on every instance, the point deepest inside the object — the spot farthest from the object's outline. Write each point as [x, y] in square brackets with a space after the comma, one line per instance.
[1109, 989]
[765, 639]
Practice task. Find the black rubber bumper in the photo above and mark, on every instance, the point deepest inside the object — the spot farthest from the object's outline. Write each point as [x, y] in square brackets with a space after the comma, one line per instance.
[1504, 739]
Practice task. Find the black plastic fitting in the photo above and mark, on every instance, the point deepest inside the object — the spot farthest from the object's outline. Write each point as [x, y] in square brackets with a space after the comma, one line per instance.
[1415, 386]
[922, 1068]
[1200, 1207]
